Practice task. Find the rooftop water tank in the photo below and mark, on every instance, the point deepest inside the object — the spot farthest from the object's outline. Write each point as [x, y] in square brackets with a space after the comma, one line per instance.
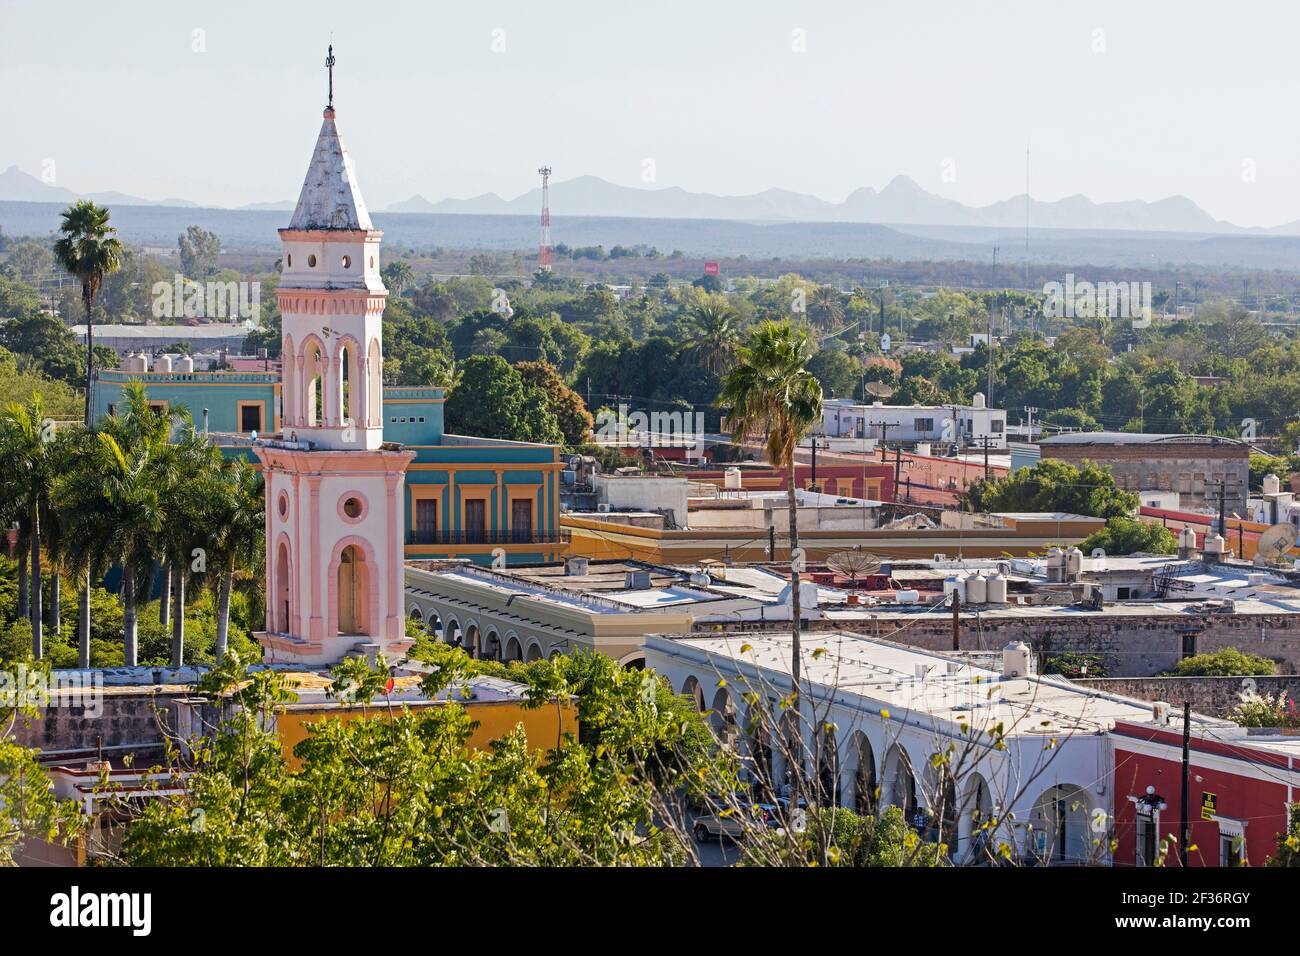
[731, 478]
[997, 588]
[954, 583]
[1073, 562]
[923, 448]
[977, 591]
[1016, 658]
[978, 400]
[1055, 565]
[185, 364]
[1272, 484]
[907, 596]
[162, 363]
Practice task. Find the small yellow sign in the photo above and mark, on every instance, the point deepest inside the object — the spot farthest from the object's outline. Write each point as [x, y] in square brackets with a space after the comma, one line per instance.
[1209, 805]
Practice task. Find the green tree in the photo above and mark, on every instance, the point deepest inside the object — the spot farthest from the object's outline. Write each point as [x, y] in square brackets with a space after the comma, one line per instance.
[1288, 842]
[564, 403]
[1055, 486]
[491, 400]
[89, 250]
[769, 392]
[1228, 662]
[198, 252]
[27, 467]
[717, 332]
[1131, 536]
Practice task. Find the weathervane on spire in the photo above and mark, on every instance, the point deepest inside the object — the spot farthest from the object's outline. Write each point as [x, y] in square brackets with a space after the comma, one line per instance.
[329, 65]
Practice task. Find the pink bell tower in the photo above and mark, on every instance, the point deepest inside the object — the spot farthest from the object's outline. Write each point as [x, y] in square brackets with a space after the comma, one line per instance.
[334, 488]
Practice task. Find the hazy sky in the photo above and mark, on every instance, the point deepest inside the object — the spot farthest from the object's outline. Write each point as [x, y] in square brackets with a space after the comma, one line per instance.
[1118, 100]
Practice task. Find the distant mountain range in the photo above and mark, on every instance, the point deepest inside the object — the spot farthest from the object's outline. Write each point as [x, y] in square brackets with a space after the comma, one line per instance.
[901, 202]
[18, 186]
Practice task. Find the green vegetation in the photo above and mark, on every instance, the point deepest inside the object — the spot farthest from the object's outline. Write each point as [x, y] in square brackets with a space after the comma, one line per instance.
[1228, 662]
[1131, 536]
[133, 496]
[401, 788]
[1055, 486]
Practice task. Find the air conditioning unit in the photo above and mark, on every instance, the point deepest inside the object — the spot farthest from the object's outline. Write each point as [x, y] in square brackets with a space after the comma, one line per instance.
[603, 508]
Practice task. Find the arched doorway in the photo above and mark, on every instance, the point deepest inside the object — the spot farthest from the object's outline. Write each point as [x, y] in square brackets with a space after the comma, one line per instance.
[1059, 825]
[900, 783]
[976, 816]
[514, 650]
[491, 650]
[281, 614]
[827, 756]
[313, 393]
[692, 691]
[534, 652]
[723, 718]
[354, 591]
[760, 755]
[864, 775]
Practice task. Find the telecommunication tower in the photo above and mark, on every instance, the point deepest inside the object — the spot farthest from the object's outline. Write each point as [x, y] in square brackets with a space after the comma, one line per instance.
[544, 251]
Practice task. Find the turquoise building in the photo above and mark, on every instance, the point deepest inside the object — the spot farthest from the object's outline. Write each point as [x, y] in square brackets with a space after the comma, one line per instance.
[466, 497]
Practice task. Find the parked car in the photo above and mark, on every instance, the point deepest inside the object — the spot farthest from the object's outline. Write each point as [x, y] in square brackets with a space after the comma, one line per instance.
[715, 825]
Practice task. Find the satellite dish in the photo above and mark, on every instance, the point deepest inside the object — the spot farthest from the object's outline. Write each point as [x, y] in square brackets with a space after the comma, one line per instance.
[879, 389]
[1275, 542]
[853, 564]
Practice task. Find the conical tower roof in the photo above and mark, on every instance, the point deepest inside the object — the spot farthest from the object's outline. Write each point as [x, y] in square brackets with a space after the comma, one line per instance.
[330, 197]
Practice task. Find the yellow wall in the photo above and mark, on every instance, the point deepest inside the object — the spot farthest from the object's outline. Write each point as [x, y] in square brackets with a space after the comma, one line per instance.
[543, 725]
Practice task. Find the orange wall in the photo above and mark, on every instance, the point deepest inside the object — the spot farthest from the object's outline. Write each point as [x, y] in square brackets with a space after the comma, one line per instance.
[543, 725]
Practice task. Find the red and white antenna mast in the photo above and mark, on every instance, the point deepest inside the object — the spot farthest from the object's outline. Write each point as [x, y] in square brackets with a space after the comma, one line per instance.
[544, 251]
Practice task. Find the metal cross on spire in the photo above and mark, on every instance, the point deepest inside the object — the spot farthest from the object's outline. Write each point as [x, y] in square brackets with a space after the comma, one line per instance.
[329, 65]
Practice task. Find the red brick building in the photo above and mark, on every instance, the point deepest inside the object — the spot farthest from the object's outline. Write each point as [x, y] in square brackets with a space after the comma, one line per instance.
[1240, 785]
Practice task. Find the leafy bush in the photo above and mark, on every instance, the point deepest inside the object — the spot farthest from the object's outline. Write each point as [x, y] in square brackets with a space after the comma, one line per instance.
[1228, 662]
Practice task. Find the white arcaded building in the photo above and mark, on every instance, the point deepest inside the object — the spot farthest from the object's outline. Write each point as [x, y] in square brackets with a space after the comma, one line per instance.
[890, 708]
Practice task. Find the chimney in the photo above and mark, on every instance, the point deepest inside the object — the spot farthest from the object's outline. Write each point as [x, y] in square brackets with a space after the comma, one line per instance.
[575, 566]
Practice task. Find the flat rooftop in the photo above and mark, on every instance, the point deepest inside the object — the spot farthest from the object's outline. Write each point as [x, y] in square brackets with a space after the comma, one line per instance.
[891, 677]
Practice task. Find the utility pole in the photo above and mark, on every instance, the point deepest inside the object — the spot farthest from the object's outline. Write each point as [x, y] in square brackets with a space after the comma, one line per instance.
[1187, 767]
[771, 542]
[898, 468]
[956, 619]
[1031, 410]
[814, 464]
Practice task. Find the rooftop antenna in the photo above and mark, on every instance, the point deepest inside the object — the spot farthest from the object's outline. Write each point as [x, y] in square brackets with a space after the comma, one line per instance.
[329, 65]
[544, 250]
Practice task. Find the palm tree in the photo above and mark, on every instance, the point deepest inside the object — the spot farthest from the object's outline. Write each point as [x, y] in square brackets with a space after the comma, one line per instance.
[121, 484]
[188, 474]
[717, 332]
[397, 275]
[88, 531]
[826, 307]
[238, 518]
[769, 391]
[89, 249]
[26, 440]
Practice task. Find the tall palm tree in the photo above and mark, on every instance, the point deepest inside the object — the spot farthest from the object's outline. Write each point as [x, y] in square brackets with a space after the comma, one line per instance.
[188, 472]
[90, 250]
[717, 332]
[238, 519]
[88, 533]
[770, 392]
[123, 482]
[26, 443]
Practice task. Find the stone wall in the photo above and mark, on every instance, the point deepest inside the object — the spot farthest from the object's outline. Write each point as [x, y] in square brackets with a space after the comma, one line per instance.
[1214, 696]
[1130, 645]
[116, 720]
[1185, 468]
